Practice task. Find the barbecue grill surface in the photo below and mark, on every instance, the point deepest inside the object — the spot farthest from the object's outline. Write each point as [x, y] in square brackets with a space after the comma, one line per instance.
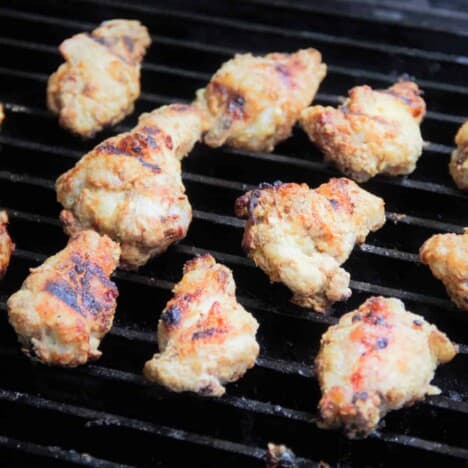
[105, 413]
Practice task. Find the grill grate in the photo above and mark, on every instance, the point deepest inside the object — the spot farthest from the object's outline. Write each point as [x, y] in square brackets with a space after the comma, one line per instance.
[105, 414]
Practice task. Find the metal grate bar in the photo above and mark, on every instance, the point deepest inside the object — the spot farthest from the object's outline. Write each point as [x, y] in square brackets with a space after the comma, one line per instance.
[240, 403]
[153, 282]
[234, 222]
[422, 444]
[230, 221]
[130, 423]
[283, 32]
[408, 183]
[251, 402]
[205, 77]
[345, 71]
[278, 365]
[166, 285]
[57, 453]
[222, 219]
[277, 158]
[334, 8]
[22, 74]
[423, 222]
[328, 98]
[256, 406]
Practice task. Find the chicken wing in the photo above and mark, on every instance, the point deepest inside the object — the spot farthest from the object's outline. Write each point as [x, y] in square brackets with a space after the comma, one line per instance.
[252, 102]
[300, 237]
[66, 306]
[378, 358]
[130, 187]
[206, 338]
[100, 80]
[459, 162]
[447, 257]
[374, 131]
[6, 244]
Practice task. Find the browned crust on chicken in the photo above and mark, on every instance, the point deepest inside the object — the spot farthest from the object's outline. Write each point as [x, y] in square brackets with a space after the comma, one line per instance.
[206, 338]
[100, 80]
[447, 257]
[126, 39]
[130, 187]
[459, 162]
[378, 358]
[253, 102]
[2, 114]
[374, 131]
[300, 237]
[6, 244]
[66, 306]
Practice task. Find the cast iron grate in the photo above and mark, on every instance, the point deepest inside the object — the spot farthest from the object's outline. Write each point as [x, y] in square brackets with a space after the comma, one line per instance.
[105, 414]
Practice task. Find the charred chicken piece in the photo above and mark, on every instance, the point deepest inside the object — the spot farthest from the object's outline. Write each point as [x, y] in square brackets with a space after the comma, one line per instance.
[66, 306]
[373, 132]
[130, 187]
[447, 257]
[6, 244]
[100, 80]
[378, 358]
[459, 162]
[206, 338]
[300, 237]
[252, 102]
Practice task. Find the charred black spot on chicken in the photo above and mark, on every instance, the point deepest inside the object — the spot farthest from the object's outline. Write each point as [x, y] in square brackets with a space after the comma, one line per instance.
[172, 316]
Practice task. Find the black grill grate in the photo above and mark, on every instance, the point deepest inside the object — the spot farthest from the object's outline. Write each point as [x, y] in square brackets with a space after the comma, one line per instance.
[105, 414]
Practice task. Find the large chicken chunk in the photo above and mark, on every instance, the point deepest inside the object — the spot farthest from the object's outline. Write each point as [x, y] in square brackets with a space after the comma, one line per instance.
[300, 237]
[206, 338]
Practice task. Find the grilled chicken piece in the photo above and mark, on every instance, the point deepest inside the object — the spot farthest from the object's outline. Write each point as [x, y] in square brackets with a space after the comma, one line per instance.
[447, 257]
[2, 114]
[280, 456]
[459, 162]
[66, 306]
[252, 102]
[373, 132]
[378, 358]
[130, 187]
[6, 244]
[100, 80]
[300, 237]
[206, 338]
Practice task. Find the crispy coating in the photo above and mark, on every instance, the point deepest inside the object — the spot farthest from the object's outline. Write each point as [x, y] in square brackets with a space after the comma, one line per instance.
[66, 306]
[130, 187]
[252, 102]
[300, 237]
[100, 80]
[6, 244]
[447, 257]
[373, 132]
[206, 338]
[378, 358]
[459, 162]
